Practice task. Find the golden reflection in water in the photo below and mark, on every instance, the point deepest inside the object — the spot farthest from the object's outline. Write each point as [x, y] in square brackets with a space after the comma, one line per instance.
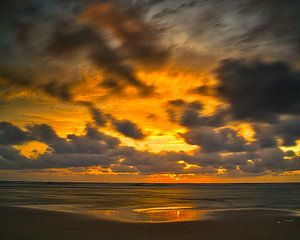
[143, 215]
[166, 214]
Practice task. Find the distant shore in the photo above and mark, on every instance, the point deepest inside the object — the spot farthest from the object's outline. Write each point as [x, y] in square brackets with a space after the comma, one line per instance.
[31, 224]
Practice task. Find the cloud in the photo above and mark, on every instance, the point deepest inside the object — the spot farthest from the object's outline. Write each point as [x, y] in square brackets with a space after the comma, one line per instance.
[259, 90]
[57, 37]
[25, 27]
[266, 29]
[265, 137]
[93, 142]
[128, 129]
[175, 10]
[189, 114]
[211, 140]
[125, 127]
[99, 118]
[44, 42]
[278, 20]
[140, 40]
[11, 134]
[10, 158]
[100, 25]
[288, 129]
[75, 38]
[91, 149]
[95, 148]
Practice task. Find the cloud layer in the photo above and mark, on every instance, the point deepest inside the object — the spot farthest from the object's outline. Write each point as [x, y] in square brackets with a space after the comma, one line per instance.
[219, 77]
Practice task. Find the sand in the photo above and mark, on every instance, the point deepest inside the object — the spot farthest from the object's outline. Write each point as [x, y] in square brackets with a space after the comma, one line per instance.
[31, 224]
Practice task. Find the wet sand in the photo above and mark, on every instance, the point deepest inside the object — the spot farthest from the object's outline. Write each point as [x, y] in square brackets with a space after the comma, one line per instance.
[32, 224]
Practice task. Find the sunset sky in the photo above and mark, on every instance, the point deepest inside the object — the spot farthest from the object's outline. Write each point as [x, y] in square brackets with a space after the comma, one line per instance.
[150, 91]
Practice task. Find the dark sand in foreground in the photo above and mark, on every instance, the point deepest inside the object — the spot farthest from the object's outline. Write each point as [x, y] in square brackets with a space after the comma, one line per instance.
[22, 223]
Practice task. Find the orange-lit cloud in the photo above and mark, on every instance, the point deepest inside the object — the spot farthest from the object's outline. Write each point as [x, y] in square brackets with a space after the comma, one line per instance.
[149, 92]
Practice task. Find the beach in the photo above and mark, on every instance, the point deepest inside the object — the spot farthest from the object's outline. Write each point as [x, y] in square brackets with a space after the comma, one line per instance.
[18, 223]
[88, 211]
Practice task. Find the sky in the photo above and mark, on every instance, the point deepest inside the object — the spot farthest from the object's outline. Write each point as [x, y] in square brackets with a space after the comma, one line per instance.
[150, 91]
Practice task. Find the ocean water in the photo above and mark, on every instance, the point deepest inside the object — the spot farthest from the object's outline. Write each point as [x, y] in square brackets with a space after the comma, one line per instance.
[149, 202]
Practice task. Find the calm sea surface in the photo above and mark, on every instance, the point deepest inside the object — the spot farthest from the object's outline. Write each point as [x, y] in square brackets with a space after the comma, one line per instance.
[149, 202]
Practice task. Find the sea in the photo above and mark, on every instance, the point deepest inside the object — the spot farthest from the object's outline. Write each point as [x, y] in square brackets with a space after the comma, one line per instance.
[149, 202]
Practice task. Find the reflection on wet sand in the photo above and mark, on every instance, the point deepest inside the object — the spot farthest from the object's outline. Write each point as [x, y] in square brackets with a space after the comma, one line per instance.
[155, 214]
[165, 214]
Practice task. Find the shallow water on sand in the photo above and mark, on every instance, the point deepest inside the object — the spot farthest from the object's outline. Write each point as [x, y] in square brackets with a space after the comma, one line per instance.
[149, 202]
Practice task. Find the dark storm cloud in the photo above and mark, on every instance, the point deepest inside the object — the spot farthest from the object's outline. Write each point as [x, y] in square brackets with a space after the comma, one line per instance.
[189, 114]
[91, 149]
[278, 20]
[112, 84]
[174, 10]
[140, 40]
[49, 82]
[99, 118]
[128, 129]
[264, 135]
[288, 129]
[69, 40]
[43, 133]
[24, 27]
[95, 148]
[44, 41]
[139, 43]
[259, 90]
[10, 158]
[210, 140]
[264, 160]
[55, 89]
[248, 27]
[11, 134]
[94, 142]
[125, 127]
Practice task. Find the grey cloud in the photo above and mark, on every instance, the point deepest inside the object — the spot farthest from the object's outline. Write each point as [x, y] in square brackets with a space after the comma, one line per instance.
[211, 140]
[139, 39]
[128, 129]
[174, 10]
[119, 168]
[259, 90]
[91, 149]
[248, 28]
[10, 158]
[97, 115]
[76, 38]
[11, 134]
[25, 27]
[268, 159]
[189, 114]
[288, 129]
[38, 37]
[125, 127]
[265, 136]
[93, 142]
[95, 148]
[278, 20]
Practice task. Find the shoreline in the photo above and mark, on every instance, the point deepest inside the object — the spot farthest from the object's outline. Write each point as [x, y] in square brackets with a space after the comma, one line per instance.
[25, 223]
[123, 215]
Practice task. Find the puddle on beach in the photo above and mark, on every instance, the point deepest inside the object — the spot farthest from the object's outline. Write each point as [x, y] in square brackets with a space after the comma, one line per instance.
[143, 215]
[172, 214]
